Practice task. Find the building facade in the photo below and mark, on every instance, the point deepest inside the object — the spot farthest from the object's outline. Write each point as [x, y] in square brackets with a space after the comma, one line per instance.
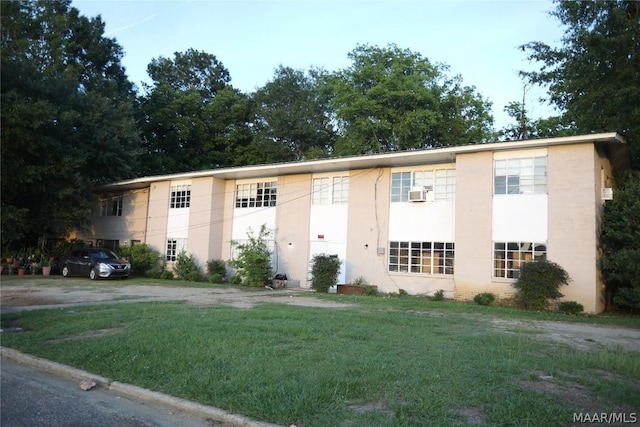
[459, 219]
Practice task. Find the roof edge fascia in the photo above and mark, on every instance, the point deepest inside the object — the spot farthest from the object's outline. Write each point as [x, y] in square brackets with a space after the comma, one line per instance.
[352, 162]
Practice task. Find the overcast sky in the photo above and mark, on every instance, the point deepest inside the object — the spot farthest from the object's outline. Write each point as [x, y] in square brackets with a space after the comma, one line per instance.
[478, 40]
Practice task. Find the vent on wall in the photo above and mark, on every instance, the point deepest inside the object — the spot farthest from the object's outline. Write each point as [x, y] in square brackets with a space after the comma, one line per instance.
[607, 193]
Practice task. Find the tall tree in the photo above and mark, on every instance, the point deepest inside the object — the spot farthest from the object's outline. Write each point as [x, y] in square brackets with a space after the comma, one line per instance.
[67, 117]
[594, 77]
[293, 115]
[191, 118]
[393, 99]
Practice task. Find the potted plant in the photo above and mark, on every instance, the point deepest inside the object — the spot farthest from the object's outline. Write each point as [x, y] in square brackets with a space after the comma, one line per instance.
[358, 286]
[46, 267]
[34, 267]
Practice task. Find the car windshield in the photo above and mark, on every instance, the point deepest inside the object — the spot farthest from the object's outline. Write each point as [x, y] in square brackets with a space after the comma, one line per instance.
[104, 254]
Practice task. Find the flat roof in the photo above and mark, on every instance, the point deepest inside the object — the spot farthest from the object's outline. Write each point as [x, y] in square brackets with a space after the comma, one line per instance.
[612, 142]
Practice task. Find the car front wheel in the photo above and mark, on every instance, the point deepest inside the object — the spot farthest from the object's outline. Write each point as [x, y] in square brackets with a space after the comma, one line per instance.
[93, 275]
[65, 271]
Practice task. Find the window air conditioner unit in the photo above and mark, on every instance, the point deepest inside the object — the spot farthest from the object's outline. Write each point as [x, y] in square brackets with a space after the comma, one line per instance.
[418, 194]
[607, 193]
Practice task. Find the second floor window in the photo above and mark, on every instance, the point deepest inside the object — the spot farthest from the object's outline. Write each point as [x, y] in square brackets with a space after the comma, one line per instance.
[111, 206]
[330, 190]
[441, 181]
[256, 195]
[521, 176]
[180, 196]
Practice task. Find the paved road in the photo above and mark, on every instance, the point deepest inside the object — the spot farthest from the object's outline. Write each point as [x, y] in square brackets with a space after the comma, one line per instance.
[32, 397]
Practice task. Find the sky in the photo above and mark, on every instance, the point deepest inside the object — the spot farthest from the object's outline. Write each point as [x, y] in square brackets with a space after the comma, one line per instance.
[478, 40]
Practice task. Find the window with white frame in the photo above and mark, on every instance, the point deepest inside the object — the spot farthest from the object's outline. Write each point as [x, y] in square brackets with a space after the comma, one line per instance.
[441, 181]
[111, 206]
[256, 194]
[333, 190]
[421, 257]
[174, 247]
[320, 195]
[508, 257]
[340, 193]
[180, 196]
[527, 175]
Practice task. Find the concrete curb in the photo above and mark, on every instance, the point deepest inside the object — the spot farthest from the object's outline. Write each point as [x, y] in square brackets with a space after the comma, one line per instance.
[197, 409]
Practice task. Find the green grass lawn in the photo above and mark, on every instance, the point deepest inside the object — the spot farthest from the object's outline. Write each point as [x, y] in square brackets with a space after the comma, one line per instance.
[382, 362]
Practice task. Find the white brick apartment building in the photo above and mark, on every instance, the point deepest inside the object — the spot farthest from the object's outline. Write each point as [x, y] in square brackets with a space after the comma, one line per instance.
[460, 219]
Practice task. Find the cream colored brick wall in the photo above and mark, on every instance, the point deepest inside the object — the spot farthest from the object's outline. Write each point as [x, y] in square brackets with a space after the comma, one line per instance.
[573, 208]
[157, 216]
[130, 226]
[227, 225]
[292, 226]
[474, 252]
[205, 223]
[368, 227]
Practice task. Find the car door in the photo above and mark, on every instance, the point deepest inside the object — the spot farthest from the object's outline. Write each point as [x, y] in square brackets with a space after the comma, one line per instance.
[72, 262]
[84, 263]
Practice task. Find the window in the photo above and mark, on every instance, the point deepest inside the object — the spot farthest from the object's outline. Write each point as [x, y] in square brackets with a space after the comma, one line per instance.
[521, 176]
[320, 195]
[180, 196]
[330, 190]
[340, 190]
[174, 247]
[256, 195]
[509, 256]
[421, 257]
[111, 206]
[114, 245]
[444, 180]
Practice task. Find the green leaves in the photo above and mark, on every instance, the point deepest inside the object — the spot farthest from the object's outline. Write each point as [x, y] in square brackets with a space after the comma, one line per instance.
[393, 99]
[594, 77]
[67, 118]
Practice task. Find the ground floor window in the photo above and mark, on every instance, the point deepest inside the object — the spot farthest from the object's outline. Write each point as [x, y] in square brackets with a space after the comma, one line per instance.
[421, 257]
[509, 256]
[114, 245]
[174, 246]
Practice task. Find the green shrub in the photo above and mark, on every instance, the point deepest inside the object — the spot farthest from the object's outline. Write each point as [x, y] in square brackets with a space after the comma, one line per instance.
[438, 295]
[253, 262]
[538, 283]
[403, 293]
[215, 278]
[570, 307]
[235, 280]
[167, 275]
[324, 272]
[359, 281]
[628, 298]
[485, 298]
[185, 267]
[154, 273]
[143, 258]
[217, 266]
[371, 291]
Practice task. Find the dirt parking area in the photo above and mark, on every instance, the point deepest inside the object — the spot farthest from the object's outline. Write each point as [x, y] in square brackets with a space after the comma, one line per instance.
[30, 293]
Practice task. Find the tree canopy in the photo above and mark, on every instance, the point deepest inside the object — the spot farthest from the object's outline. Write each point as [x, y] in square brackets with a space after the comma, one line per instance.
[293, 115]
[594, 76]
[191, 118]
[393, 99]
[67, 117]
